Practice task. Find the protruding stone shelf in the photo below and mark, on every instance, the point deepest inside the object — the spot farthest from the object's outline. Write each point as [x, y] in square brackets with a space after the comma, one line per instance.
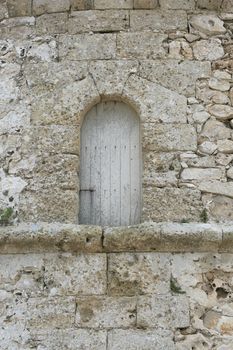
[146, 237]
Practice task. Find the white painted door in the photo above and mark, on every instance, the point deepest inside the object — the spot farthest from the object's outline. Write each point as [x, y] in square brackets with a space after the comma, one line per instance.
[110, 166]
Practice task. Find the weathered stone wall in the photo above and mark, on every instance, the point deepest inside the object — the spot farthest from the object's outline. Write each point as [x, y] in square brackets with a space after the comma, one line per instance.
[171, 60]
[78, 287]
[153, 286]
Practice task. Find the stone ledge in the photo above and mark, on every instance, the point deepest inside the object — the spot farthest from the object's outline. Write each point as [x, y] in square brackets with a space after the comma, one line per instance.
[45, 237]
[146, 237]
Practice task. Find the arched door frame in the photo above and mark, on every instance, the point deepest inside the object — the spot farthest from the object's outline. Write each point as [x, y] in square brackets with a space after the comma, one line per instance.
[90, 192]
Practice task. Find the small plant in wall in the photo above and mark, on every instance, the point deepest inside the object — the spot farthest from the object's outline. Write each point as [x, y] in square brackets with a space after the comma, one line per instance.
[204, 216]
[5, 216]
[174, 286]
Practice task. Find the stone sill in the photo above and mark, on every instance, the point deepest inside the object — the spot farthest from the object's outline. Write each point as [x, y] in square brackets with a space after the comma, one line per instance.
[146, 237]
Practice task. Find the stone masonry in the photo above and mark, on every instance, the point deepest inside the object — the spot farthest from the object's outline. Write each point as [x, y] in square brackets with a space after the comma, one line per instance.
[166, 284]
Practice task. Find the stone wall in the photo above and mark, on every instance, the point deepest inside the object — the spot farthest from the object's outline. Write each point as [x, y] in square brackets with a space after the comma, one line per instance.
[171, 60]
[160, 286]
[81, 287]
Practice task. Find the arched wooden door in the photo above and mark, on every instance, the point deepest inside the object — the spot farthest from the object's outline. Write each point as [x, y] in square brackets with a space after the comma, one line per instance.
[110, 166]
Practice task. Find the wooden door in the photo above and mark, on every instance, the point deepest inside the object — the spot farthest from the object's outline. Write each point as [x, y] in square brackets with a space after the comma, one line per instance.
[110, 166]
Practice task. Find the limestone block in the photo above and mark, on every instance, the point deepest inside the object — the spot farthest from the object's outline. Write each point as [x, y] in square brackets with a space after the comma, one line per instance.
[18, 22]
[208, 24]
[158, 20]
[225, 146]
[219, 207]
[98, 21]
[207, 147]
[112, 4]
[217, 187]
[221, 112]
[168, 179]
[161, 162]
[222, 75]
[198, 174]
[220, 98]
[64, 105]
[52, 24]
[22, 273]
[74, 275]
[55, 139]
[43, 50]
[156, 104]
[194, 340]
[169, 137]
[133, 274]
[129, 339]
[192, 160]
[58, 171]
[163, 312]
[44, 238]
[227, 5]
[214, 130]
[38, 312]
[179, 76]
[49, 206]
[48, 6]
[144, 237]
[69, 339]
[209, 4]
[53, 74]
[3, 10]
[82, 4]
[185, 204]
[110, 76]
[106, 312]
[8, 90]
[200, 117]
[14, 334]
[208, 50]
[145, 4]
[204, 237]
[219, 84]
[177, 4]
[223, 159]
[230, 173]
[15, 120]
[147, 45]
[19, 8]
[50, 312]
[87, 47]
[10, 187]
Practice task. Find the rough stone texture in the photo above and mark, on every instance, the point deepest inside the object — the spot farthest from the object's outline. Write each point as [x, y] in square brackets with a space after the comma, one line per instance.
[158, 285]
[158, 20]
[159, 105]
[175, 75]
[108, 21]
[179, 4]
[44, 6]
[82, 4]
[87, 47]
[19, 8]
[210, 25]
[208, 50]
[145, 4]
[112, 4]
[148, 45]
